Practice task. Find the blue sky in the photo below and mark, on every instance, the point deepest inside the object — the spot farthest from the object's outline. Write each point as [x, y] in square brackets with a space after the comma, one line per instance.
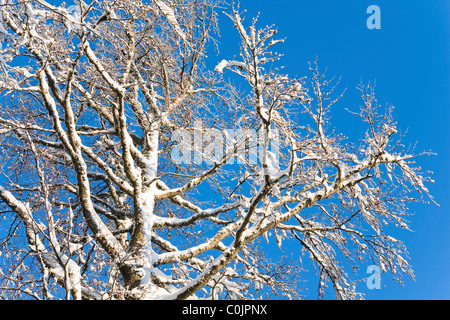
[408, 58]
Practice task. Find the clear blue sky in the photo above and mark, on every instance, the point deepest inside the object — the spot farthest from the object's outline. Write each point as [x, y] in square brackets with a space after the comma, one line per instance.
[409, 60]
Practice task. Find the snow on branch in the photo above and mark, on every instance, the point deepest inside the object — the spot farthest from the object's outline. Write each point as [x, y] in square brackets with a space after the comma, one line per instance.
[169, 13]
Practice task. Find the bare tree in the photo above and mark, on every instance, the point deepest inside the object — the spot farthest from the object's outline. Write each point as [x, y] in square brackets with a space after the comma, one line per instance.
[98, 102]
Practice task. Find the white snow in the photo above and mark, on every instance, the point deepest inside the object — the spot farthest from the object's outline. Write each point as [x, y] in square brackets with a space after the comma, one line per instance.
[224, 64]
[170, 16]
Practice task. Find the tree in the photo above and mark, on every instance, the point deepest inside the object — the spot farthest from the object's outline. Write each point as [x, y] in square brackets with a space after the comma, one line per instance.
[132, 170]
